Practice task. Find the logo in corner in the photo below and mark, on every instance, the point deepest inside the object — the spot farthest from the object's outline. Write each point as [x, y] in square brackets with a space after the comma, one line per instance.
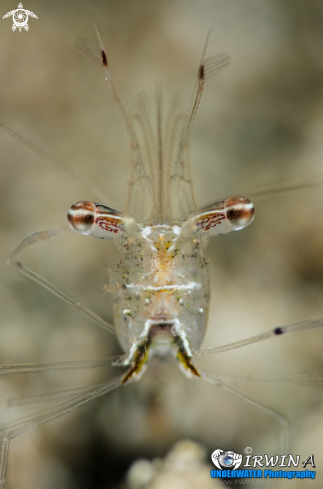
[20, 18]
[226, 460]
[260, 466]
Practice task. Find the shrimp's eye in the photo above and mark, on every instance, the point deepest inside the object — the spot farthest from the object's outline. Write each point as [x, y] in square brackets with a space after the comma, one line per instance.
[239, 212]
[81, 216]
[224, 216]
[96, 220]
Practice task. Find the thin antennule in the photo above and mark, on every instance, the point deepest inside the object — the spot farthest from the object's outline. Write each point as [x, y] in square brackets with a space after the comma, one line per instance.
[108, 77]
[89, 49]
[54, 159]
[214, 64]
[160, 185]
[207, 68]
[96, 52]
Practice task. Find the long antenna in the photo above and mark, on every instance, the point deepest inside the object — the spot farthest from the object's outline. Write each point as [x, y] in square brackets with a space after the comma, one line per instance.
[117, 99]
[207, 68]
[54, 159]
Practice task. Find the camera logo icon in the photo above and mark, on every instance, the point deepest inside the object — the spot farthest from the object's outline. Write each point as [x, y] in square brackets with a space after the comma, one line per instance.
[226, 460]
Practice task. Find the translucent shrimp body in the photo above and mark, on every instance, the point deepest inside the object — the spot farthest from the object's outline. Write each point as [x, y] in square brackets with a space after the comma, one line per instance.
[161, 287]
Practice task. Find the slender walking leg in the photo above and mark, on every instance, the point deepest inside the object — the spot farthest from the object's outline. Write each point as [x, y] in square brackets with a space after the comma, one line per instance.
[19, 267]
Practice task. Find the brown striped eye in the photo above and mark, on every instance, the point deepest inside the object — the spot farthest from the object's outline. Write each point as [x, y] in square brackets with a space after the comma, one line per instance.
[95, 219]
[81, 216]
[239, 212]
[225, 216]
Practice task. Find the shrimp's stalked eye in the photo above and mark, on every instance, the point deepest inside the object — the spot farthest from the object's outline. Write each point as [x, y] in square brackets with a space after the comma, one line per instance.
[81, 217]
[239, 211]
[95, 220]
[224, 216]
